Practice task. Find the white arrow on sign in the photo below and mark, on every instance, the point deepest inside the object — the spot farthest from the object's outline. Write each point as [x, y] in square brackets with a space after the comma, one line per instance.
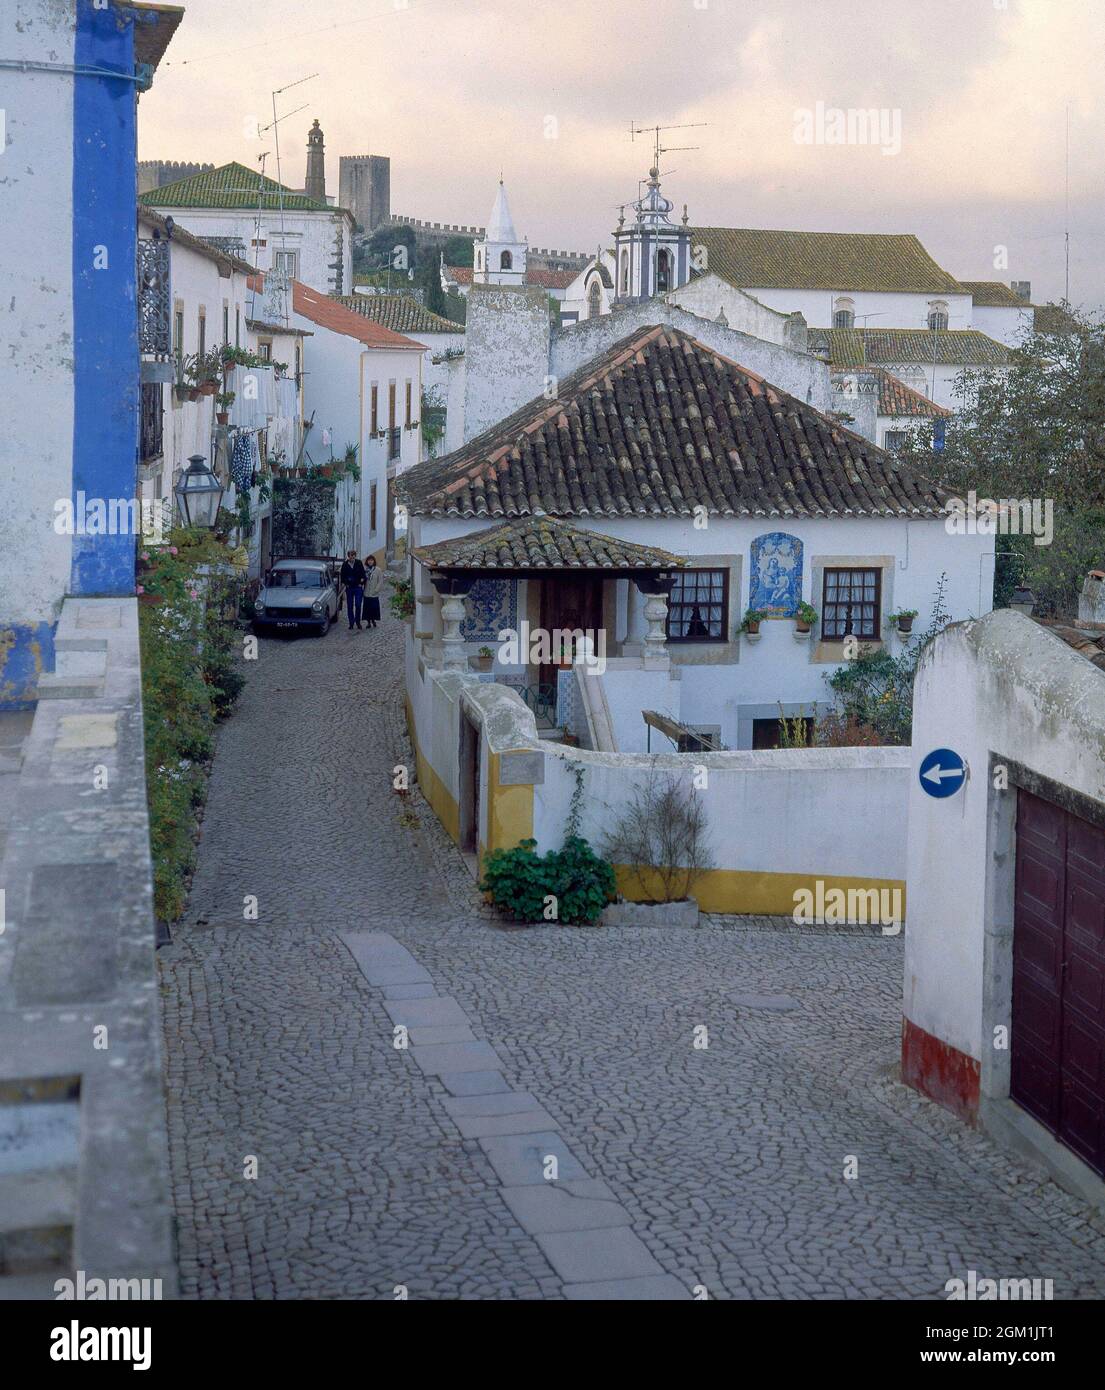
[937, 774]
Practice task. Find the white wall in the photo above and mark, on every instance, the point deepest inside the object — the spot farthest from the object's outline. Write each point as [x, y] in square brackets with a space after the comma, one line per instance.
[1005, 325]
[710, 295]
[1002, 686]
[312, 234]
[873, 309]
[36, 290]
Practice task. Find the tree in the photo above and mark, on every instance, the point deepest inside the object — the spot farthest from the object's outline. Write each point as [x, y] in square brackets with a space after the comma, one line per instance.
[459, 250]
[1036, 433]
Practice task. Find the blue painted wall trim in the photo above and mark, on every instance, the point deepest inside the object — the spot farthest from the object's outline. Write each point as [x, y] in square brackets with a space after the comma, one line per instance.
[105, 329]
[26, 652]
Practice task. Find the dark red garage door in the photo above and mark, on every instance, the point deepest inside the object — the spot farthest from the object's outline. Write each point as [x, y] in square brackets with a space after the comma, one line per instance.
[1058, 1052]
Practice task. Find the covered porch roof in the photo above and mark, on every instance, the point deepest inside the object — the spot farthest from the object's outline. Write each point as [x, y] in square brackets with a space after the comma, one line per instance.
[541, 545]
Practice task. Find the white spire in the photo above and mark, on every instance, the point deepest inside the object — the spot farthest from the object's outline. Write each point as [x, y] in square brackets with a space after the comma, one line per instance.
[500, 225]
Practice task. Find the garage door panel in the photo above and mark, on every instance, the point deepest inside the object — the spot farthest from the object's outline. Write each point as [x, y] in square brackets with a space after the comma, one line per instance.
[1058, 1053]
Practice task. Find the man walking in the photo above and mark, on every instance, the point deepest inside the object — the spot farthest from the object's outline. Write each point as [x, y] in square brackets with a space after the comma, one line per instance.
[353, 577]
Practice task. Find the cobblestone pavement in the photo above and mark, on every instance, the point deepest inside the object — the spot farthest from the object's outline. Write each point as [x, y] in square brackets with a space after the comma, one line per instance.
[727, 1162]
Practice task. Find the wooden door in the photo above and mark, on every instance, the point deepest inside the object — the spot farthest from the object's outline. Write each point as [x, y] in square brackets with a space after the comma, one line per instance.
[1058, 1043]
[568, 602]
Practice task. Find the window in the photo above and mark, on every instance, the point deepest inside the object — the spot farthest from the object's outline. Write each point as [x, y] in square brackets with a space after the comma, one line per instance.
[298, 363]
[264, 350]
[663, 272]
[375, 408]
[226, 323]
[625, 272]
[768, 733]
[506, 261]
[237, 327]
[479, 260]
[202, 334]
[894, 439]
[698, 608]
[286, 263]
[178, 340]
[594, 300]
[408, 404]
[372, 508]
[938, 315]
[391, 405]
[850, 604]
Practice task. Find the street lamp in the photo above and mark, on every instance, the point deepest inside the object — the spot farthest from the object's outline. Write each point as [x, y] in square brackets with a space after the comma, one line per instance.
[199, 494]
[1023, 600]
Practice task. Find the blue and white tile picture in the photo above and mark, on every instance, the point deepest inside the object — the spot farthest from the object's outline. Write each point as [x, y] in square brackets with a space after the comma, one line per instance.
[775, 585]
[492, 606]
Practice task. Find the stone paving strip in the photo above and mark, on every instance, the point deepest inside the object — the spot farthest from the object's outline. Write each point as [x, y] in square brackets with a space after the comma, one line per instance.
[583, 1231]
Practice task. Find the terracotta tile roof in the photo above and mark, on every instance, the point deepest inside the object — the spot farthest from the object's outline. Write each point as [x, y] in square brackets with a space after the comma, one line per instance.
[751, 258]
[153, 30]
[992, 294]
[896, 398]
[545, 279]
[542, 543]
[957, 347]
[656, 426]
[328, 312]
[1053, 318]
[231, 186]
[399, 312]
[1087, 638]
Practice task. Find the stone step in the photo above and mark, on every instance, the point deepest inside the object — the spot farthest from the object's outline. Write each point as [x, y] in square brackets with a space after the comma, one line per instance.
[81, 661]
[51, 686]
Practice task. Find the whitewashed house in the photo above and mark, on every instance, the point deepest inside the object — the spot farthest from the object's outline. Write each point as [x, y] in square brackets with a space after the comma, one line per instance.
[883, 409]
[364, 387]
[663, 491]
[274, 227]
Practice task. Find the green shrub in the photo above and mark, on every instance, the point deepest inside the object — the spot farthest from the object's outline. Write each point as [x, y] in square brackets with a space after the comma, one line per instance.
[521, 882]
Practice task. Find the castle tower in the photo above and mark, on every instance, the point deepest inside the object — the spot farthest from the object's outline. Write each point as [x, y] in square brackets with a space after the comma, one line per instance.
[652, 254]
[500, 258]
[364, 187]
[315, 186]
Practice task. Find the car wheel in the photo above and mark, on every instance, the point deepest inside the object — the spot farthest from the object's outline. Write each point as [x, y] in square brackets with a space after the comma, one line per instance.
[323, 628]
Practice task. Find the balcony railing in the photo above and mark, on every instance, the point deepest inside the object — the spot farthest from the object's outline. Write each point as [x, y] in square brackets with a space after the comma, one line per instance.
[395, 438]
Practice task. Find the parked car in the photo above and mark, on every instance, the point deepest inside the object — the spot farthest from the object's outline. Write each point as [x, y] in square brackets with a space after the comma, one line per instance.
[299, 594]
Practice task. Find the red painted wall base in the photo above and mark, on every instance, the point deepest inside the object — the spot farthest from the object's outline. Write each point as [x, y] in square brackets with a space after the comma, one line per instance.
[940, 1071]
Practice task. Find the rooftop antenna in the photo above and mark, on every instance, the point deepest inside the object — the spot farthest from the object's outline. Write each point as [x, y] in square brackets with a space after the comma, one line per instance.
[1066, 234]
[275, 128]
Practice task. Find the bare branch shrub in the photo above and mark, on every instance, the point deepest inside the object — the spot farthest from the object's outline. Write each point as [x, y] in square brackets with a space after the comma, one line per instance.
[662, 838]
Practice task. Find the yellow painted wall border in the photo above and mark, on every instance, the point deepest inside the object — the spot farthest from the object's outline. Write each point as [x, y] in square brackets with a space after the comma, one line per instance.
[755, 892]
[442, 802]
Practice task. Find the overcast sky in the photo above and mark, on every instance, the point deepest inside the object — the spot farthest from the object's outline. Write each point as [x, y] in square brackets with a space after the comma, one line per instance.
[454, 90]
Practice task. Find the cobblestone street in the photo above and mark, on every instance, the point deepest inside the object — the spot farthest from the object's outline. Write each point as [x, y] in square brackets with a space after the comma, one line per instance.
[720, 1168]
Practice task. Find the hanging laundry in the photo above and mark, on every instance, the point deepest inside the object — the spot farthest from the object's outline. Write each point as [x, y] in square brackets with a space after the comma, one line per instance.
[241, 461]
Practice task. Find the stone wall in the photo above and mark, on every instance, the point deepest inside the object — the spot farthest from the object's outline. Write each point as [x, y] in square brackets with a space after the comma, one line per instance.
[82, 1119]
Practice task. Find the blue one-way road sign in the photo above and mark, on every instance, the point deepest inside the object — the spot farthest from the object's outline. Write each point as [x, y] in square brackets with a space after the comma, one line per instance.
[942, 772]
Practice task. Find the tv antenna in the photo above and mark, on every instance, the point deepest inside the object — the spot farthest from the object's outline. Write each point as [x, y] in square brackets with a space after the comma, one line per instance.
[656, 131]
[274, 126]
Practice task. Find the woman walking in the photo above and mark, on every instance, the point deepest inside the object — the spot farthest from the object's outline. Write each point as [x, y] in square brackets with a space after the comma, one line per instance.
[374, 581]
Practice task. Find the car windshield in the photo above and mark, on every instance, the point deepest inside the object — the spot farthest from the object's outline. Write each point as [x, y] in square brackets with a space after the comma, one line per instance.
[297, 579]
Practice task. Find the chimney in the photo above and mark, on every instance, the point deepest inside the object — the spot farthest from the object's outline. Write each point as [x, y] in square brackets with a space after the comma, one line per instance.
[506, 352]
[1022, 289]
[1091, 602]
[315, 186]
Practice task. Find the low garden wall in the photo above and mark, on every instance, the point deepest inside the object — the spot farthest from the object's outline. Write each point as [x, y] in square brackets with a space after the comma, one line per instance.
[778, 822]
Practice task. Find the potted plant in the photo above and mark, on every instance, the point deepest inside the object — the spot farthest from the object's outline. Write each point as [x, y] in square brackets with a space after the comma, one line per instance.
[223, 401]
[804, 618]
[903, 620]
[483, 659]
[751, 625]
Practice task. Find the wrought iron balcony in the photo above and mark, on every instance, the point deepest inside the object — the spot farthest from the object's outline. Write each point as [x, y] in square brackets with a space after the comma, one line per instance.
[152, 420]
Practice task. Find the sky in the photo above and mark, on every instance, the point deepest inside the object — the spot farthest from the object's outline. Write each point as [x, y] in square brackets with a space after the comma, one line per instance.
[969, 151]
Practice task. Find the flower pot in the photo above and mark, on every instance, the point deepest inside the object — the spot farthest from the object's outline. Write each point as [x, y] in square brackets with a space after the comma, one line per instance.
[222, 417]
[194, 393]
[905, 626]
[326, 471]
[570, 740]
[801, 634]
[209, 388]
[481, 663]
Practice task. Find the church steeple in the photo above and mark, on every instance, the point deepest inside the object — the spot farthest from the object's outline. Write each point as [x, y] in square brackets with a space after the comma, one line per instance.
[315, 185]
[500, 257]
[652, 252]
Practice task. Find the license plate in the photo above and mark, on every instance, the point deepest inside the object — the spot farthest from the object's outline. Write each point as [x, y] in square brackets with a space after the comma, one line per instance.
[287, 624]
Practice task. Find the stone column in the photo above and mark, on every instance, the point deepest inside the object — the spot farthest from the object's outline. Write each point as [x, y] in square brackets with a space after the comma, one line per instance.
[453, 613]
[634, 622]
[656, 638]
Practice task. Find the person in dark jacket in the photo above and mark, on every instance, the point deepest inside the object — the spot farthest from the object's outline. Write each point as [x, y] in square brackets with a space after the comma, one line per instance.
[353, 577]
[373, 585]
